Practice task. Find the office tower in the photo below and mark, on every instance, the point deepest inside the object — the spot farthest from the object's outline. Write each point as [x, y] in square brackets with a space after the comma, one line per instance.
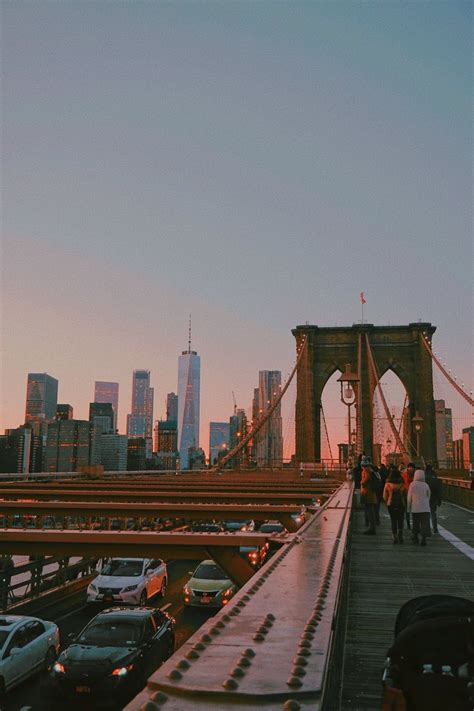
[107, 392]
[219, 434]
[101, 416]
[172, 407]
[444, 433]
[136, 454]
[468, 447]
[166, 444]
[113, 450]
[20, 451]
[269, 440]
[69, 445]
[64, 412]
[41, 398]
[140, 421]
[237, 431]
[189, 375]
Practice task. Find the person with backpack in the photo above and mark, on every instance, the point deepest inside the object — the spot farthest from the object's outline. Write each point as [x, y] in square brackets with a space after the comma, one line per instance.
[394, 497]
[368, 495]
[434, 483]
[418, 502]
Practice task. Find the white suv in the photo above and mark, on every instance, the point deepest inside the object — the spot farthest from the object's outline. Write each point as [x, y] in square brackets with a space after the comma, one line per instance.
[130, 581]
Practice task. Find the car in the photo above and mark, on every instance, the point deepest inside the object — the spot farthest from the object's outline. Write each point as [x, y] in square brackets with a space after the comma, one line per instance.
[131, 581]
[113, 655]
[208, 527]
[272, 527]
[239, 525]
[27, 645]
[208, 586]
[255, 554]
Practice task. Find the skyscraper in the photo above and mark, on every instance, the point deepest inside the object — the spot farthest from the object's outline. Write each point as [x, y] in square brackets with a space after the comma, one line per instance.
[69, 445]
[189, 379]
[64, 412]
[101, 416]
[219, 433]
[269, 441]
[107, 392]
[172, 407]
[41, 398]
[140, 421]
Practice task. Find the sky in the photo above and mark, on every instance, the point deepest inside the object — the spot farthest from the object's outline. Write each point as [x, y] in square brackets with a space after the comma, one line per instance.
[254, 164]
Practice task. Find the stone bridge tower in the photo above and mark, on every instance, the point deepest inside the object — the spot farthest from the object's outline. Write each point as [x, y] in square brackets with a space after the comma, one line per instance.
[396, 348]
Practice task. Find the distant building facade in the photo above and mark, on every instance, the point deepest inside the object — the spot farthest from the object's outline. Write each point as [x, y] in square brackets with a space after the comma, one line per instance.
[64, 412]
[104, 392]
[140, 420]
[444, 434]
[166, 444]
[468, 446]
[113, 452]
[237, 431]
[20, 451]
[269, 440]
[41, 398]
[219, 436]
[189, 384]
[101, 416]
[69, 445]
[172, 407]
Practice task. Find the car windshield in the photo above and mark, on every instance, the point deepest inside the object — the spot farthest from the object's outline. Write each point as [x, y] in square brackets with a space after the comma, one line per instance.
[271, 528]
[112, 633]
[3, 637]
[206, 571]
[123, 568]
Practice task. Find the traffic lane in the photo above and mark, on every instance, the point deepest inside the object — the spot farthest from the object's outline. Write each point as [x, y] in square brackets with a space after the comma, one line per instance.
[30, 693]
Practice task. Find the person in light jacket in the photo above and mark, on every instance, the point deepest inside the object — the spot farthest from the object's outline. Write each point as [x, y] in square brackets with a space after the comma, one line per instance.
[419, 505]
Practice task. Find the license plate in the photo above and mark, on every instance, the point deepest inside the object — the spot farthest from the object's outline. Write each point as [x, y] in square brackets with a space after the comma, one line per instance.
[108, 598]
[83, 689]
[205, 598]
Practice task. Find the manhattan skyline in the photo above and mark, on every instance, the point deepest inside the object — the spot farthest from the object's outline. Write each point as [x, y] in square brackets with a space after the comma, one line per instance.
[258, 165]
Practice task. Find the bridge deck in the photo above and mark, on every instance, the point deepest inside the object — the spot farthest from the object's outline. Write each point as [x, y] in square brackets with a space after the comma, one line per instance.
[382, 577]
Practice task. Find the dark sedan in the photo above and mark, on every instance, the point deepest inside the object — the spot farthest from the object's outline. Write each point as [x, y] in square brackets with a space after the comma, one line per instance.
[113, 656]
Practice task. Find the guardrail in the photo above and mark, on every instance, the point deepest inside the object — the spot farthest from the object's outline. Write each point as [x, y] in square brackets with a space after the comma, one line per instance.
[458, 491]
[32, 580]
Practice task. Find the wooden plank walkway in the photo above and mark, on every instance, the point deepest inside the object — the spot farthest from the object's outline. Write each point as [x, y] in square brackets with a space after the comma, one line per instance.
[383, 576]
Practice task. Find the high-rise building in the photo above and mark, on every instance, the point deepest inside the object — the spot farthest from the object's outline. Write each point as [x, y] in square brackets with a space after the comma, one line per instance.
[64, 412]
[166, 444]
[20, 451]
[107, 392]
[172, 407]
[237, 431]
[113, 452]
[140, 420]
[219, 434]
[468, 447]
[189, 383]
[69, 445]
[41, 398]
[444, 433]
[101, 416]
[269, 440]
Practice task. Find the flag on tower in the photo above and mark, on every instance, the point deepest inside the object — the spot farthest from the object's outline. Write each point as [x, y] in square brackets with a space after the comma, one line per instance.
[362, 298]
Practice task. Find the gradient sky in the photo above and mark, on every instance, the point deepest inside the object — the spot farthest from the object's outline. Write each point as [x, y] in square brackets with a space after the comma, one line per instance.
[255, 164]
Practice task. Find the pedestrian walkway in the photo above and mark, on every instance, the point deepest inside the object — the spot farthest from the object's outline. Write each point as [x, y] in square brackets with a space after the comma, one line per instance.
[383, 576]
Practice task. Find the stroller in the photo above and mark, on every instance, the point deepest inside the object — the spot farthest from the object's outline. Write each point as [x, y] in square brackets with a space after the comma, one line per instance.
[430, 666]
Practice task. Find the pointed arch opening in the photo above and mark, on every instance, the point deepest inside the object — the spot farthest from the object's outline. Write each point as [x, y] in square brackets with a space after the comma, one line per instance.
[335, 444]
[385, 448]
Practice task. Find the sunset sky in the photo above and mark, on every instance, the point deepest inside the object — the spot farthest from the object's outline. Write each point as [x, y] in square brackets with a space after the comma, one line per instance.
[254, 164]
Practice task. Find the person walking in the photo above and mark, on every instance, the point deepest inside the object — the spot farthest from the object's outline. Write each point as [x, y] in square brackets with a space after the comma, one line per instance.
[394, 497]
[368, 495]
[419, 505]
[434, 483]
[407, 476]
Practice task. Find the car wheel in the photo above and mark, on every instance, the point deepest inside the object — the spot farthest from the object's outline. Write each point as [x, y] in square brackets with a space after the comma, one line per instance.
[143, 598]
[49, 659]
[163, 587]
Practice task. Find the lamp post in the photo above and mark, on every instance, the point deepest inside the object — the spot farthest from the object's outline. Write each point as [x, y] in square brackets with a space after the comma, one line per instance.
[417, 422]
[348, 382]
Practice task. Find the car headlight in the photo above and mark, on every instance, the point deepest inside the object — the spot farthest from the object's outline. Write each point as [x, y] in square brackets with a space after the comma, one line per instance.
[129, 589]
[228, 592]
[58, 668]
[92, 587]
[122, 671]
[187, 590]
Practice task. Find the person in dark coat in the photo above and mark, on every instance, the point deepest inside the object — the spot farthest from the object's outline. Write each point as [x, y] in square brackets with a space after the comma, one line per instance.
[395, 499]
[368, 495]
[434, 483]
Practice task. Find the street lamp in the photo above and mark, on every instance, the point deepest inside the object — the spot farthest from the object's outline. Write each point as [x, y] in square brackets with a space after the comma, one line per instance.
[348, 382]
[417, 422]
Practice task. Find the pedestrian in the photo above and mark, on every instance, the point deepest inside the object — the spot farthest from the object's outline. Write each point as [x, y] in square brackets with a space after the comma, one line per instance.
[378, 485]
[394, 497]
[407, 476]
[368, 495]
[356, 474]
[419, 506]
[434, 483]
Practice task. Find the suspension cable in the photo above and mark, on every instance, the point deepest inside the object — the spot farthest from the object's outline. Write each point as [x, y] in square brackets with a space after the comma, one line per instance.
[327, 435]
[266, 415]
[445, 372]
[398, 439]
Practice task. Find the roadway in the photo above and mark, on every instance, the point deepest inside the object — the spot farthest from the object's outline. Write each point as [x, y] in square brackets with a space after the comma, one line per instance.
[187, 622]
